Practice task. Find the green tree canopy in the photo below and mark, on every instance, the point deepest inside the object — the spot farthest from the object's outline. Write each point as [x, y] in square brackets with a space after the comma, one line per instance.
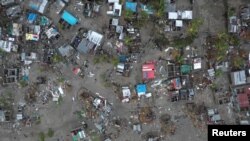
[158, 6]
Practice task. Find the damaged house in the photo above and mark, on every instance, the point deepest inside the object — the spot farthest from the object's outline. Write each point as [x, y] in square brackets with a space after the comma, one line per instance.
[245, 12]
[33, 33]
[17, 29]
[38, 5]
[214, 117]
[244, 22]
[78, 134]
[52, 33]
[177, 19]
[14, 11]
[90, 44]
[6, 2]
[123, 67]
[11, 75]
[174, 84]
[126, 94]
[66, 50]
[141, 89]
[233, 24]
[59, 5]
[8, 46]
[2, 116]
[148, 71]
[242, 97]
[115, 9]
[114, 27]
[28, 58]
[197, 63]
[239, 78]
[173, 70]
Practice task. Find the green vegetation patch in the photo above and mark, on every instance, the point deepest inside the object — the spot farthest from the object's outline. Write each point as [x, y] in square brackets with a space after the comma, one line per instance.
[104, 58]
[50, 132]
[193, 27]
[159, 7]
[95, 137]
[41, 136]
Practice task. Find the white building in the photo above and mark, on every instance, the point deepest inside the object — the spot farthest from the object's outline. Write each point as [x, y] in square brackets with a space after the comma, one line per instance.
[115, 9]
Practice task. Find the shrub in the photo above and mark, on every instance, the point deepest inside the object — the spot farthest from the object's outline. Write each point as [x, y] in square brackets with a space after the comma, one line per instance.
[42, 136]
[50, 132]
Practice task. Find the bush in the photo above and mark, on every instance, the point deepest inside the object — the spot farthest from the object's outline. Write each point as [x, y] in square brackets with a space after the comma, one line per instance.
[129, 15]
[194, 26]
[60, 100]
[61, 79]
[161, 41]
[231, 12]
[238, 62]
[79, 114]
[144, 16]
[183, 42]
[222, 45]
[105, 81]
[159, 7]
[38, 120]
[142, 19]
[50, 133]
[97, 60]
[234, 40]
[2, 52]
[115, 61]
[42, 136]
[214, 87]
[128, 41]
[6, 101]
[23, 83]
[57, 58]
[218, 72]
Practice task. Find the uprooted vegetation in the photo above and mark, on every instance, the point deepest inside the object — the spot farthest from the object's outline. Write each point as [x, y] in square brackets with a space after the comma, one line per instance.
[196, 113]
[167, 125]
[192, 33]
[146, 115]
[88, 109]
[31, 95]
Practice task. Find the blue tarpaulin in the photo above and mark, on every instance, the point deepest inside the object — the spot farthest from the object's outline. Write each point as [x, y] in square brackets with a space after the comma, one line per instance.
[141, 89]
[69, 18]
[131, 6]
[32, 17]
[123, 58]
